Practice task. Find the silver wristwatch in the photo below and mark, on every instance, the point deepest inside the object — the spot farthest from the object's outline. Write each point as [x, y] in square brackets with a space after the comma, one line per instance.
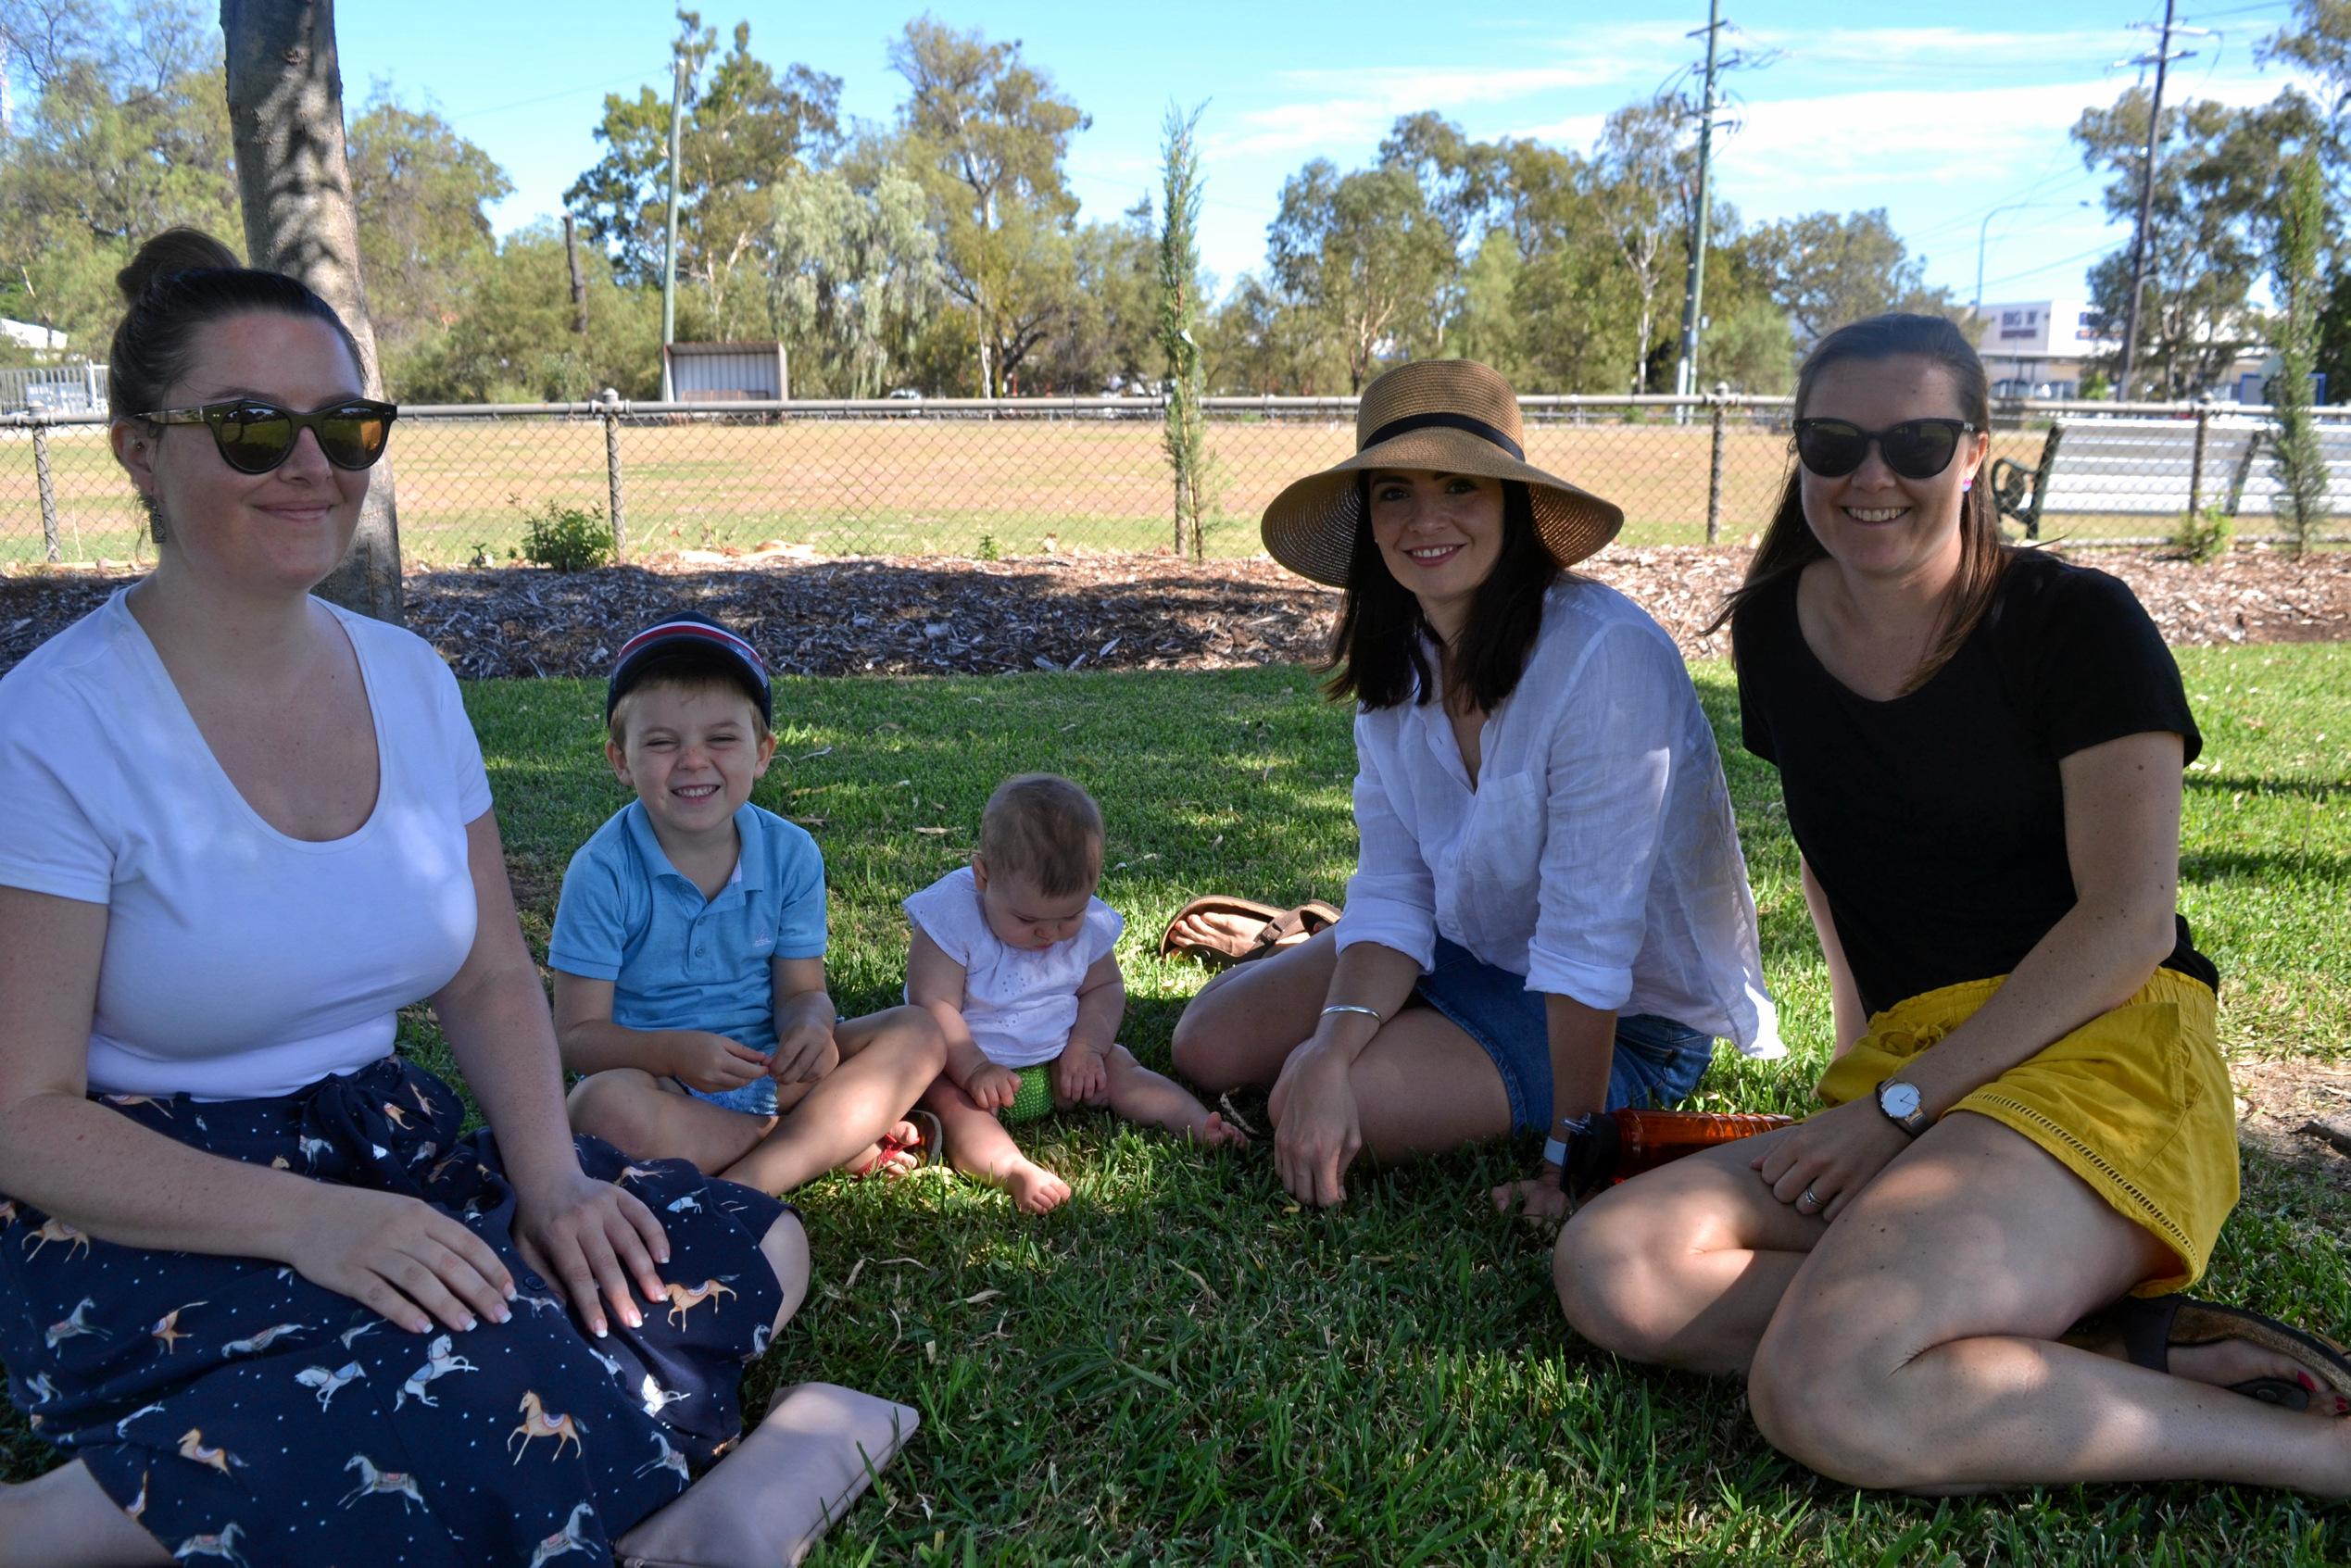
[1903, 1108]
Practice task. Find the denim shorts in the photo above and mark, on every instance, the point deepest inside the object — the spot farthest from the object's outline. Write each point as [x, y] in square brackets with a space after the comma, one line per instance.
[1658, 1061]
[754, 1098]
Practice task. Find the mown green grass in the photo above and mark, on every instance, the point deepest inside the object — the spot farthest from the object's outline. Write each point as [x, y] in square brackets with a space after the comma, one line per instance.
[1181, 1366]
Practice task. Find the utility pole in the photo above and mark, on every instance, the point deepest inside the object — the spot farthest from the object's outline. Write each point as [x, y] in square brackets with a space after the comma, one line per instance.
[579, 284]
[2160, 60]
[669, 249]
[1694, 278]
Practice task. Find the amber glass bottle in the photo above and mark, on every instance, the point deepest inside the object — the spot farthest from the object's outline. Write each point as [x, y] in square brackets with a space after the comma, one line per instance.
[1625, 1143]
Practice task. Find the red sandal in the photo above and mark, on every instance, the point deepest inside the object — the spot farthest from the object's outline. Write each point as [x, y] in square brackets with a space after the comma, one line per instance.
[924, 1145]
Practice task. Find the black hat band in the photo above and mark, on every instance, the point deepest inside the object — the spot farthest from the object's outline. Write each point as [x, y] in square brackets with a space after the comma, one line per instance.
[1473, 425]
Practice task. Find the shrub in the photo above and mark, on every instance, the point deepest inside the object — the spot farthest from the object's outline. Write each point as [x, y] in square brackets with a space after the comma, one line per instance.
[566, 538]
[2203, 537]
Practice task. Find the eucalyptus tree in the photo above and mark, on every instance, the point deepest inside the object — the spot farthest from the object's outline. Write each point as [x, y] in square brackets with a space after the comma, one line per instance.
[987, 134]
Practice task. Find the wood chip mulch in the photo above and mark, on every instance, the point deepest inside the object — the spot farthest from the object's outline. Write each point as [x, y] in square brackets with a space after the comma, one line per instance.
[926, 615]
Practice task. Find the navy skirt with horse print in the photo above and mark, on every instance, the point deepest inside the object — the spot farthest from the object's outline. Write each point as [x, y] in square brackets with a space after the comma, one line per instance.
[243, 1415]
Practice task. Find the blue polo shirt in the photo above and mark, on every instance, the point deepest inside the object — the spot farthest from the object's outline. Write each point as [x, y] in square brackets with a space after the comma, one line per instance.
[679, 960]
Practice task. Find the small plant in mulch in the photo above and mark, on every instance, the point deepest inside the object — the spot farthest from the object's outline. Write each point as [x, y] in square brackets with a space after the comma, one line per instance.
[2204, 536]
[566, 538]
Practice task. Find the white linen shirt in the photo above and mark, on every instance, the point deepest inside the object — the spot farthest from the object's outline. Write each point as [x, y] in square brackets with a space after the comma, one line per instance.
[1596, 854]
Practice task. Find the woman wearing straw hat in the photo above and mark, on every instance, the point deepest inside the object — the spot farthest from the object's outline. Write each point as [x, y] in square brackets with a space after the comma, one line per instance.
[1550, 917]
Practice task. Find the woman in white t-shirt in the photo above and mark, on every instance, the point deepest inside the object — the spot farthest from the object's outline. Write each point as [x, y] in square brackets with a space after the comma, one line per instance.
[254, 1265]
[1550, 917]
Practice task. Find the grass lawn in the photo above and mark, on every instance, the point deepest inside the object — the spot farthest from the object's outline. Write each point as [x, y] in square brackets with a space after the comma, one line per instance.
[1181, 1365]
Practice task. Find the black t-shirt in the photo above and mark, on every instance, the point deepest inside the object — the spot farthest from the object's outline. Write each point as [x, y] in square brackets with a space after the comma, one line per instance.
[1935, 821]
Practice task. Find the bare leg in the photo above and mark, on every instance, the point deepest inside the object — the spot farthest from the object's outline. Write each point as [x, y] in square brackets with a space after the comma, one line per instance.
[886, 1059]
[66, 1520]
[1244, 1024]
[1914, 1347]
[785, 1247]
[1423, 1087]
[1154, 1099]
[980, 1147]
[1683, 1265]
[649, 1118]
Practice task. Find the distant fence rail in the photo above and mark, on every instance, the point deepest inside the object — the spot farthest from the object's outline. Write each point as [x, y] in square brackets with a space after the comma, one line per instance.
[1024, 476]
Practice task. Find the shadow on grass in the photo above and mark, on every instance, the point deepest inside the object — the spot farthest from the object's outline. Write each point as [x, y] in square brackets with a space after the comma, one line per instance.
[2310, 789]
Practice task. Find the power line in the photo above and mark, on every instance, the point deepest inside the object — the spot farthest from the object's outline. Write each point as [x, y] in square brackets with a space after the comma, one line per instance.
[2247, 10]
[548, 97]
[2048, 266]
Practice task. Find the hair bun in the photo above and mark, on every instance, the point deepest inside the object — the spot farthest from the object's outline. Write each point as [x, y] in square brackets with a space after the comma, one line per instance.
[174, 251]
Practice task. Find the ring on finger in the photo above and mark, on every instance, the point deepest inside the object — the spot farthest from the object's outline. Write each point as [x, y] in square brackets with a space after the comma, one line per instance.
[1808, 1195]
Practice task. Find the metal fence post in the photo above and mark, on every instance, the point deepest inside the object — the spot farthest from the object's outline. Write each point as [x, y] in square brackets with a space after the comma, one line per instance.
[2196, 462]
[612, 406]
[1717, 401]
[48, 488]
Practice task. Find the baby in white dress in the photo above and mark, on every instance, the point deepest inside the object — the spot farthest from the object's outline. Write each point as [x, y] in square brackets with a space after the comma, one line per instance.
[1013, 955]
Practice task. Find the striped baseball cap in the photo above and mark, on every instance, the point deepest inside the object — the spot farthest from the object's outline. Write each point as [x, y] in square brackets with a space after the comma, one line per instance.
[687, 639]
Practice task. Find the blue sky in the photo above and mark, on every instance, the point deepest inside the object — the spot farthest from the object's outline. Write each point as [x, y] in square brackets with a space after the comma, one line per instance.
[1940, 123]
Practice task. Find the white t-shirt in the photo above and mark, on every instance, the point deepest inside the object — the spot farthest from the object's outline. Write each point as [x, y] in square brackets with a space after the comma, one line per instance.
[239, 962]
[1596, 856]
[1020, 1002]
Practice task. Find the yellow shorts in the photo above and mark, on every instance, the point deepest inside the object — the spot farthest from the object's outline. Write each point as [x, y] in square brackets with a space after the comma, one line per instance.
[2136, 1102]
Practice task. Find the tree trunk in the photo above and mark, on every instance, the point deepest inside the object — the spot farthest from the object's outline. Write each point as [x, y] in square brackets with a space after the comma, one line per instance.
[286, 112]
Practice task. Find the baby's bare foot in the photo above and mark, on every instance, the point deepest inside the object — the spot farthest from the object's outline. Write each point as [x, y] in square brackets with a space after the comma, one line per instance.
[1035, 1190]
[1214, 1132]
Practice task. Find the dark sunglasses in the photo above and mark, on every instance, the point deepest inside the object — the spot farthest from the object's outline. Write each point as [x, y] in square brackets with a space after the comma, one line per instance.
[1915, 448]
[255, 436]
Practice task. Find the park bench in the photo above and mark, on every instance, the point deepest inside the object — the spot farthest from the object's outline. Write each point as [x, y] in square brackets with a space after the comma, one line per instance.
[2153, 468]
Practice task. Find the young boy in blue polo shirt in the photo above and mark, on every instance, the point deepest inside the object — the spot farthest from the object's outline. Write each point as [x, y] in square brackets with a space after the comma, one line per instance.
[689, 947]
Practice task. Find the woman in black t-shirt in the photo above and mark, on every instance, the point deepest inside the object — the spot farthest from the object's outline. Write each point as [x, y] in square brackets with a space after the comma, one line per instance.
[1981, 751]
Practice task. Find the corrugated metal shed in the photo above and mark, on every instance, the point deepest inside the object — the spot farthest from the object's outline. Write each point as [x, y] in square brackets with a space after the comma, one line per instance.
[701, 371]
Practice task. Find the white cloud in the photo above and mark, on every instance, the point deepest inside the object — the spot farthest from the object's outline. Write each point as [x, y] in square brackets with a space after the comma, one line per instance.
[1789, 155]
[1352, 105]
[1959, 47]
[1577, 133]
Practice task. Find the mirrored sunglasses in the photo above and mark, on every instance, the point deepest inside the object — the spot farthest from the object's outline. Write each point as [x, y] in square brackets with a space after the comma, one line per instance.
[1915, 448]
[253, 436]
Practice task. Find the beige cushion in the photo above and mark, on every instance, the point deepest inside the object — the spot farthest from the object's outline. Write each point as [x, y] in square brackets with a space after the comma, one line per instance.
[771, 1498]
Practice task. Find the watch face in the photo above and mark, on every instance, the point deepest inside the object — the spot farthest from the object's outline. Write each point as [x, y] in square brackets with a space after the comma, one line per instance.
[1899, 1100]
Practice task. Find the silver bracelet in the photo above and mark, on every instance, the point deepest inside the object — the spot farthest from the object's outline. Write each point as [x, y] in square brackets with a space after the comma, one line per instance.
[1372, 1013]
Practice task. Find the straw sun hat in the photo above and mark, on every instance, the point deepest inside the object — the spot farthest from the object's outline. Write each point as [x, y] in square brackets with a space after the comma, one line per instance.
[1446, 416]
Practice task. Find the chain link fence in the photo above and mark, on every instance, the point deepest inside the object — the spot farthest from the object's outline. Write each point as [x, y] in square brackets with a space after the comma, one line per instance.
[957, 477]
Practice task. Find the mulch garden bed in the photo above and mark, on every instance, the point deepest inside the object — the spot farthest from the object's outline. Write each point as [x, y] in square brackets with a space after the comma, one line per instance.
[926, 615]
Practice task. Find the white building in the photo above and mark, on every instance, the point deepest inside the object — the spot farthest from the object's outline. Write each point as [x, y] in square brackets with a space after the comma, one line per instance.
[2037, 347]
[25, 334]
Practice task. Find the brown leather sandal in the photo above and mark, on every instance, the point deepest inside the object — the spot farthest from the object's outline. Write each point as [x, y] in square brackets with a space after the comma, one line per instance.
[1252, 930]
